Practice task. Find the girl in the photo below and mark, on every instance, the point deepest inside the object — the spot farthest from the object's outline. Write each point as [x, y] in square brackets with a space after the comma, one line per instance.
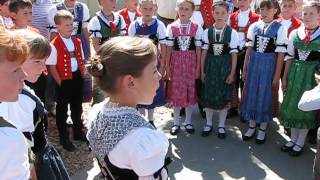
[183, 63]
[149, 26]
[219, 61]
[125, 144]
[28, 113]
[262, 68]
[303, 56]
[106, 24]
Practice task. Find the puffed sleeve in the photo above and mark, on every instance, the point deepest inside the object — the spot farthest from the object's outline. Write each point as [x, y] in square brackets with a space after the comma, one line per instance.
[205, 40]
[161, 32]
[198, 37]
[234, 43]
[250, 35]
[290, 47]
[86, 15]
[132, 29]
[94, 28]
[170, 38]
[51, 13]
[123, 28]
[310, 100]
[143, 150]
[282, 40]
[52, 59]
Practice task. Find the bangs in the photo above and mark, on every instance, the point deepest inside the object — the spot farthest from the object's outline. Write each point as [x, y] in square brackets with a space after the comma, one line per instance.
[39, 49]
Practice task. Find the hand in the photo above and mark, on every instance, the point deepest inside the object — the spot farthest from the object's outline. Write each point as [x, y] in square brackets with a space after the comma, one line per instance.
[168, 73]
[230, 79]
[162, 71]
[244, 74]
[203, 75]
[284, 86]
[59, 82]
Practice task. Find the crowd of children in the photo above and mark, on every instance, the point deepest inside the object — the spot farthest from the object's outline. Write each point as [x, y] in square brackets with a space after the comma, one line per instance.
[230, 50]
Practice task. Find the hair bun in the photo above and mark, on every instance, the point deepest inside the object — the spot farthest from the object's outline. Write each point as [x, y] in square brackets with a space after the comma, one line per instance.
[96, 68]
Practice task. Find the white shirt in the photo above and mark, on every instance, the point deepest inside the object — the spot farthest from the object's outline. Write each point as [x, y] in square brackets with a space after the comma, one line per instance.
[132, 15]
[86, 16]
[40, 10]
[167, 8]
[14, 164]
[281, 38]
[233, 44]
[52, 60]
[310, 100]
[94, 24]
[197, 38]
[243, 19]
[286, 23]
[197, 16]
[161, 31]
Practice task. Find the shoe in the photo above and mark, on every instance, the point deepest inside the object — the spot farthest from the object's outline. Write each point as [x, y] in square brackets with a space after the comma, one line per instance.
[222, 135]
[80, 137]
[205, 133]
[232, 113]
[174, 130]
[285, 148]
[261, 141]
[295, 153]
[246, 138]
[189, 128]
[152, 123]
[67, 145]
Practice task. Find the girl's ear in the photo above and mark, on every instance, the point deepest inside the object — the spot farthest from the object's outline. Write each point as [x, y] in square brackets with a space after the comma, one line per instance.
[127, 82]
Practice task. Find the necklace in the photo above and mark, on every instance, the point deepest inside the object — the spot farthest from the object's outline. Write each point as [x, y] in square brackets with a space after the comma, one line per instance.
[184, 38]
[221, 33]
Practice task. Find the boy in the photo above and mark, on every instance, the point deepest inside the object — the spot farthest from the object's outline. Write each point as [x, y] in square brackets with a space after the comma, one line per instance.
[21, 14]
[240, 21]
[130, 13]
[67, 68]
[81, 13]
[5, 13]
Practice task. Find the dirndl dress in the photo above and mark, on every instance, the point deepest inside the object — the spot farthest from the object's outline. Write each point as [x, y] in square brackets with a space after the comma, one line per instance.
[183, 64]
[300, 79]
[257, 94]
[217, 93]
[151, 31]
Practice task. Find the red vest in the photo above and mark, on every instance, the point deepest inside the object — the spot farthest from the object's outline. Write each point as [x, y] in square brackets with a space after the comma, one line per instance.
[206, 12]
[253, 17]
[295, 24]
[124, 13]
[64, 58]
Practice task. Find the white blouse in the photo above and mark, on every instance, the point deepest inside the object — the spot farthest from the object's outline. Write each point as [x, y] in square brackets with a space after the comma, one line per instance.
[310, 100]
[234, 42]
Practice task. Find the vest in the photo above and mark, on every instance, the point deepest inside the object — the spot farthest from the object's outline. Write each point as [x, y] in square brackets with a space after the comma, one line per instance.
[106, 31]
[253, 17]
[148, 31]
[270, 38]
[64, 58]
[307, 52]
[224, 44]
[124, 13]
[190, 42]
[206, 12]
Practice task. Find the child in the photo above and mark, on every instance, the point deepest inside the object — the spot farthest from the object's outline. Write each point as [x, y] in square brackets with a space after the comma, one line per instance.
[149, 26]
[303, 56]
[266, 47]
[183, 63]
[27, 114]
[127, 146]
[218, 63]
[14, 162]
[206, 12]
[67, 68]
[240, 21]
[5, 13]
[81, 16]
[130, 13]
[21, 14]
[106, 24]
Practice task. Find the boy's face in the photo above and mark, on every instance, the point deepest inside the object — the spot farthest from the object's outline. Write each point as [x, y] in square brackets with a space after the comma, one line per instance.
[267, 15]
[65, 27]
[288, 9]
[220, 14]
[5, 9]
[23, 17]
[132, 4]
[243, 5]
[12, 80]
[148, 9]
[34, 68]
[310, 17]
[185, 11]
[109, 5]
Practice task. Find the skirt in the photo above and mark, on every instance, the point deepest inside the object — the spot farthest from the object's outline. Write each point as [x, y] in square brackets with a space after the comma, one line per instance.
[182, 85]
[217, 93]
[257, 94]
[300, 79]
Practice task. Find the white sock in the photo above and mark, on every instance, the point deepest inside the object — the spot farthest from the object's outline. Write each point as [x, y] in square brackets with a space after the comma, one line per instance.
[261, 134]
[150, 114]
[222, 117]
[250, 131]
[294, 135]
[301, 139]
[142, 111]
[176, 112]
[209, 115]
[188, 114]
